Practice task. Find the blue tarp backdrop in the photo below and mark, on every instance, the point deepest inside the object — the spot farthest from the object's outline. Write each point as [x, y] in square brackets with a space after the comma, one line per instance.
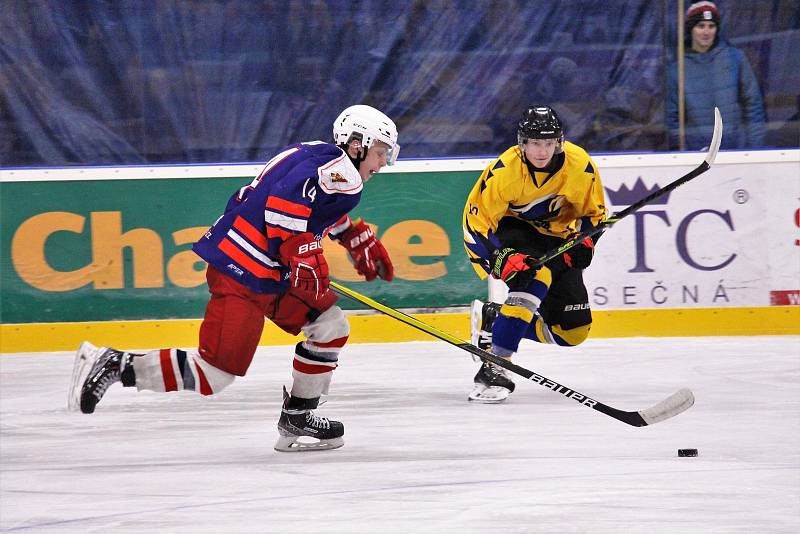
[169, 81]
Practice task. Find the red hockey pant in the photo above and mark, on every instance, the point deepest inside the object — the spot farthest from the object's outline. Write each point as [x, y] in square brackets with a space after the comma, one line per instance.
[234, 320]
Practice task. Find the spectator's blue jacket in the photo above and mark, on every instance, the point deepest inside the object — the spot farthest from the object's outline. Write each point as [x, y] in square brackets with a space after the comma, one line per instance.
[721, 77]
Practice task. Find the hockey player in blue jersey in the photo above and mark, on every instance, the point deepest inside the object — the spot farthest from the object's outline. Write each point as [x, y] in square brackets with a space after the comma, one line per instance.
[265, 259]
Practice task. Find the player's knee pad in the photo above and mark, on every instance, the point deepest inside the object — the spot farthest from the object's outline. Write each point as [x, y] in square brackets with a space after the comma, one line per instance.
[519, 307]
[330, 328]
[571, 337]
[542, 332]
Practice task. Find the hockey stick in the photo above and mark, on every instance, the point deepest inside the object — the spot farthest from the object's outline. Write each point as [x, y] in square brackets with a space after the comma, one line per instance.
[716, 139]
[673, 405]
[676, 403]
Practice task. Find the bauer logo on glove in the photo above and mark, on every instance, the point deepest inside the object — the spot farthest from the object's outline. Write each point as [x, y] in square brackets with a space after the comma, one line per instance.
[369, 256]
[309, 247]
[308, 270]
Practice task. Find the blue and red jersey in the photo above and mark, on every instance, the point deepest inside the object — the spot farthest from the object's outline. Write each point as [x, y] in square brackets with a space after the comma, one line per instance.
[307, 187]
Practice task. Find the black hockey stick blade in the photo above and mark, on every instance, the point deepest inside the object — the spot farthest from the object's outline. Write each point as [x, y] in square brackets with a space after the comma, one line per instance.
[711, 155]
[673, 405]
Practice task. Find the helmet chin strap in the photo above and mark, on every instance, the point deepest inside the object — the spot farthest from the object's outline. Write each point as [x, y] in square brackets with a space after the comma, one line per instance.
[357, 159]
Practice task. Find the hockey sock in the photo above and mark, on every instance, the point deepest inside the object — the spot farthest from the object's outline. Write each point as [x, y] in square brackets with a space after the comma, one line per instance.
[175, 369]
[507, 332]
[312, 368]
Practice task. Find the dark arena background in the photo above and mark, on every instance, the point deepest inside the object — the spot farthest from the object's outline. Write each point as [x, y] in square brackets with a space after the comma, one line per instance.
[160, 81]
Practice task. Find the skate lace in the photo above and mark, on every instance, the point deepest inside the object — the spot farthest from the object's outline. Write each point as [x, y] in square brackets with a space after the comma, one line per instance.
[316, 421]
[105, 381]
[494, 371]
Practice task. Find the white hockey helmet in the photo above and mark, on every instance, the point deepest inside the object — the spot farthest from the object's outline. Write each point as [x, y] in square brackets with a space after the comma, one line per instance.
[368, 125]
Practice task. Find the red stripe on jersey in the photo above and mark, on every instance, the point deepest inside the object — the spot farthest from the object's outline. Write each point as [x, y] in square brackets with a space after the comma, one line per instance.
[205, 387]
[291, 208]
[311, 369]
[167, 370]
[251, 233]
[227, 246]
[335, 343]
[283, 235]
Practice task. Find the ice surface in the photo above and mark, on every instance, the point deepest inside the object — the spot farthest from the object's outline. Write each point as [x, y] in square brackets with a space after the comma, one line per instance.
[417, 457]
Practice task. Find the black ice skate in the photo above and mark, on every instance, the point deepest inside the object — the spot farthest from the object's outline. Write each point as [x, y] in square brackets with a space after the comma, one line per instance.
[482, 316]
[298, 421]
[492, 384]
[94, 370]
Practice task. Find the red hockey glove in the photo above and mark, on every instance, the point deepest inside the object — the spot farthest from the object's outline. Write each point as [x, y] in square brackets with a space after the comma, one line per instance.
[512, 267]
[369, 255]
[308, 268]
[580, 256]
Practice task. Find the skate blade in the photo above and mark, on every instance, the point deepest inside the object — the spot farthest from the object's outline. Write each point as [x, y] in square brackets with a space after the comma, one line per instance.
[293, 443]
[488, 395]
[84, 360]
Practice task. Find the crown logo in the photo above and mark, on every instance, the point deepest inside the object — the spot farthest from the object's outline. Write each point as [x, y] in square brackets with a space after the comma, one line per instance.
[625, 196]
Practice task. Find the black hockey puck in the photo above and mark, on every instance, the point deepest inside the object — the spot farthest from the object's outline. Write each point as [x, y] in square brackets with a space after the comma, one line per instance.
[683, 453]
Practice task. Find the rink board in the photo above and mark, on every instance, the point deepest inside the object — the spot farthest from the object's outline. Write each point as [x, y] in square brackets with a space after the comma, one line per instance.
[114, 244]
[102, 253]
[779, 320]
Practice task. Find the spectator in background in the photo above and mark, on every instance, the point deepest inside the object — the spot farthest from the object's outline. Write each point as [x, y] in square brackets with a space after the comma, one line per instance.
[626, 121]
[716, 74]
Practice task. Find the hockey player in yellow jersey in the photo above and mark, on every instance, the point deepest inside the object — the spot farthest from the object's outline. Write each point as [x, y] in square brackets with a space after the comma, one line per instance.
[527, 202]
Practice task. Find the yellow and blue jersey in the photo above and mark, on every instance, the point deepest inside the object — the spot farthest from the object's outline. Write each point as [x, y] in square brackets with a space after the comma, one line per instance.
[558, 203]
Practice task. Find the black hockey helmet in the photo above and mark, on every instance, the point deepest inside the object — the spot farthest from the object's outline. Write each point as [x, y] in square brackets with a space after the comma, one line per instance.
[540, 122]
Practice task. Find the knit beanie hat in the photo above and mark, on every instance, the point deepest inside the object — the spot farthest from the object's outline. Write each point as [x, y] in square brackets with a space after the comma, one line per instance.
[701, 11]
